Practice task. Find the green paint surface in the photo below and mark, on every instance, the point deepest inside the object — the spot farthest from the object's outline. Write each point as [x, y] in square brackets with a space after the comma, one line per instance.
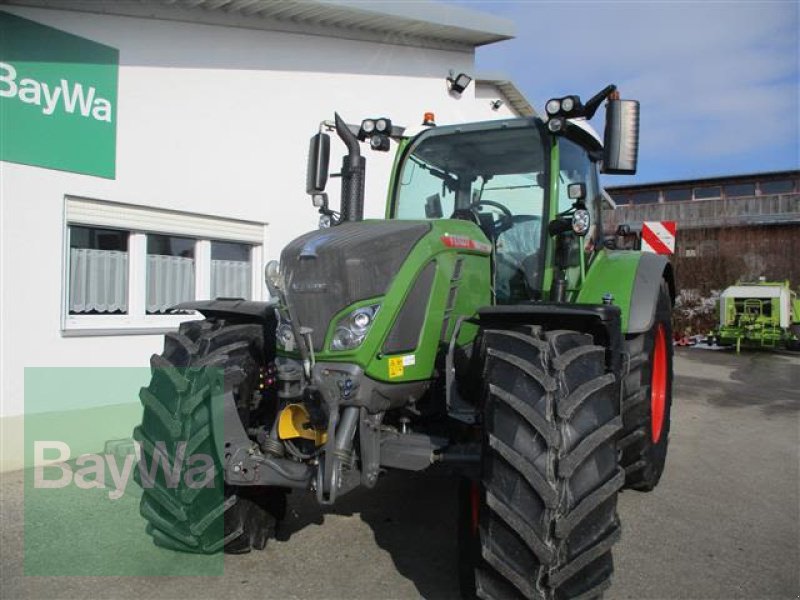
[58, 99]
[611, 272]
[474, 291]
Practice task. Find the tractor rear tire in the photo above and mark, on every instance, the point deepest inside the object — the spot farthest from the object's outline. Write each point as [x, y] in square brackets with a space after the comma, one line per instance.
[543, 518]
[176, 424]
[647, 400]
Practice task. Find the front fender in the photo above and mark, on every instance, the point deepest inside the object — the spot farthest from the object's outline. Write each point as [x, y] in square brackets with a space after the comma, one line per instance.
[634, 280]
[249, 310]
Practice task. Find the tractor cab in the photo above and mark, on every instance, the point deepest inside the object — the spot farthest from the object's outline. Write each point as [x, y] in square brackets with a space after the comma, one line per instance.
[529, 186]
[497, 175]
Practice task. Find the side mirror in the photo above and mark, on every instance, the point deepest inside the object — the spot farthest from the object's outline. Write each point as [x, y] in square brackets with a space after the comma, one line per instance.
[621, 139]
[319, 151]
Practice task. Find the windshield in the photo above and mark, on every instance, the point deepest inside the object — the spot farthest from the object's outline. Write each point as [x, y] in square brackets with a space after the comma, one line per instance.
[493, 177]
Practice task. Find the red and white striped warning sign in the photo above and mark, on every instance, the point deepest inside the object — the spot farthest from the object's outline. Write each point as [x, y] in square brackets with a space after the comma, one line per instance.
[658, 237]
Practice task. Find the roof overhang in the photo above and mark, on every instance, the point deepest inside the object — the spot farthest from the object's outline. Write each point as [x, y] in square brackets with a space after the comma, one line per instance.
[420, 23]
[516, 99]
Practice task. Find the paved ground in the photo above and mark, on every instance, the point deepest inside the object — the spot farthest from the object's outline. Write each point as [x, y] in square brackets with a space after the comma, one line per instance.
[722, 524]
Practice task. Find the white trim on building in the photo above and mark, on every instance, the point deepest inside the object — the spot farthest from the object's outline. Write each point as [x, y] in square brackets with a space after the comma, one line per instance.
[417, 23]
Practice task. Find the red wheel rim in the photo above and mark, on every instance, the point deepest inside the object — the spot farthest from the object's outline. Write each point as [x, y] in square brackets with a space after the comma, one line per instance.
[475, 506]
[658, 384]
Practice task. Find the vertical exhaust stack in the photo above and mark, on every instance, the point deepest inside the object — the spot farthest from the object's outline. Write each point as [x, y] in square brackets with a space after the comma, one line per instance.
[353, 174]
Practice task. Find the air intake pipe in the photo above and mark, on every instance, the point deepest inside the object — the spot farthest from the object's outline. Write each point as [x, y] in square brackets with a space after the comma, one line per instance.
[353, 172]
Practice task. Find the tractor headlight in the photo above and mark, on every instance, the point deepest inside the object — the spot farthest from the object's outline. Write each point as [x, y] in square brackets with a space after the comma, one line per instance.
[555, 125]
[581, 221]
[352, 329]
[273, 278]
[368, 126]
[553, 106]
[567, 104]
[284, 336]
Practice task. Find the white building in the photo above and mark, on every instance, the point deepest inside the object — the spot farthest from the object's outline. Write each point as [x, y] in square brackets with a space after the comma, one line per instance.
[154, 151]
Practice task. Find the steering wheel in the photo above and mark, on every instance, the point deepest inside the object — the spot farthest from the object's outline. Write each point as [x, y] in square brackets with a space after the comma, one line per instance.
[505, 222]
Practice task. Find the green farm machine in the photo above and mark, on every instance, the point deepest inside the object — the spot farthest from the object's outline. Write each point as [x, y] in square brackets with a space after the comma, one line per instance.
[485, 326]
[760, 314]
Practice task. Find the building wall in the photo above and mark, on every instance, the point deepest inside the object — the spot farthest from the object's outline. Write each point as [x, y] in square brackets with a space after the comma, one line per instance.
[211, 120]
[713, 259]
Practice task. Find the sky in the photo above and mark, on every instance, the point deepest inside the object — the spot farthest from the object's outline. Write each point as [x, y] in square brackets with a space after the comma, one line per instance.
[718, 81]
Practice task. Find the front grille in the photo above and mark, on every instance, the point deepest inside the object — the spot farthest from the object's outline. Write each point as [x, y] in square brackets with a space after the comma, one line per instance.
[329, 269]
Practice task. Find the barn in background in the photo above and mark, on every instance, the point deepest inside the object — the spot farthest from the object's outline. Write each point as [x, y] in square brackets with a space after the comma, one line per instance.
[738, 227]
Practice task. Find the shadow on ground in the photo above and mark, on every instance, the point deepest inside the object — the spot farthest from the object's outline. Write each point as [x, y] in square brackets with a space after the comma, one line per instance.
[763, 379]
[413, 517]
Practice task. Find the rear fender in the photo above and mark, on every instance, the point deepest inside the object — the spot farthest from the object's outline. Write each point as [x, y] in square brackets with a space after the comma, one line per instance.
[633, 279]
[601, 321]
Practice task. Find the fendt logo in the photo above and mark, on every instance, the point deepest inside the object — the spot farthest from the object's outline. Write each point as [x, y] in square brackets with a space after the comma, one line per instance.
[67, 96]
[58, 99]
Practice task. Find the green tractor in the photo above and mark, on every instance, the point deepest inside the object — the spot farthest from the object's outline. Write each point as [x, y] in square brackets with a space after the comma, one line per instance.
[759, 314]
[485, 325]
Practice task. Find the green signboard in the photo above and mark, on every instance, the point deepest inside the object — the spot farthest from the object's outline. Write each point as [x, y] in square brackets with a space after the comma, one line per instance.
[58, 99]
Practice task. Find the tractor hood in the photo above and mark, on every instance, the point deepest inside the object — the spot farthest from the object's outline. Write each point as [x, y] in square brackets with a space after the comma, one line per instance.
[327, 270]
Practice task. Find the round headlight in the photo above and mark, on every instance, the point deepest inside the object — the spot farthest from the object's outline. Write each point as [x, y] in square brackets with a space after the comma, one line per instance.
[555, 125]
[580, 221]
[381, 125]
[272, 276]
[352, 329]
[368, 125]
[344, 339]
[567, 104]
[552, 107]
[361, 321]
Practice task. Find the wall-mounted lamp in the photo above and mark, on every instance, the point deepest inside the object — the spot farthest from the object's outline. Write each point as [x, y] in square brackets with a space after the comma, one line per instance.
[458, 83]
[496, 104]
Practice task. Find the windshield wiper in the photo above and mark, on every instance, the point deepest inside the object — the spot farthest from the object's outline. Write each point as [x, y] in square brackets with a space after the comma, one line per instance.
[512, 187]
[450, 181]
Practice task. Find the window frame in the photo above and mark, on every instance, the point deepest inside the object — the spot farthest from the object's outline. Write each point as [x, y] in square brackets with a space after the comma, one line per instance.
[136, 320]
[707, 187]
[760, 187]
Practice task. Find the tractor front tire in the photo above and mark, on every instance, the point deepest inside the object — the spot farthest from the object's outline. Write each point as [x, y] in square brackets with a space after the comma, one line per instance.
[543, 518]
[201, 362]
[647, 400]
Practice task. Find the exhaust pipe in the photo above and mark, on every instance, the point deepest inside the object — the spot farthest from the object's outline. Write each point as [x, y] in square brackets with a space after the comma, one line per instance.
[353, 171]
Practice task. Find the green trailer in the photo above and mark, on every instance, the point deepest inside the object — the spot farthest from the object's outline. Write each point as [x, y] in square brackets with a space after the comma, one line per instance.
[764, 314]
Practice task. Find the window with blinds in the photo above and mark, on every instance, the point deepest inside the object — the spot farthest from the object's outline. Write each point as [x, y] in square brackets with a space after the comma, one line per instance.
[132, 276]
[98, 271]
[230, 270]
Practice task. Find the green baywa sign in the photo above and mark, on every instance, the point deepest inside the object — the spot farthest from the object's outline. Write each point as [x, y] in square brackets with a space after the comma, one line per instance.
[58, 99]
